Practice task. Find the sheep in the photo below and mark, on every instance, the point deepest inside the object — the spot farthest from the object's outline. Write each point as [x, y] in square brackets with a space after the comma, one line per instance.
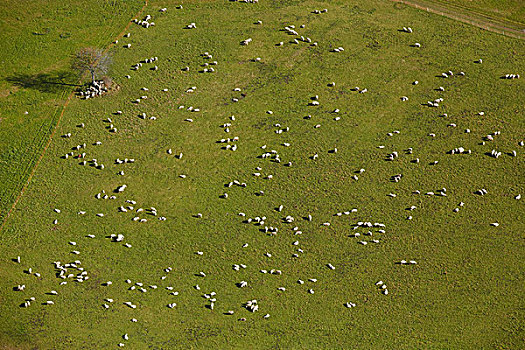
[246, 41]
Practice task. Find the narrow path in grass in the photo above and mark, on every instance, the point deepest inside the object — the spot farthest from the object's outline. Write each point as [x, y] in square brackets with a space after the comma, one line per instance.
[55, 127]
[459, 13]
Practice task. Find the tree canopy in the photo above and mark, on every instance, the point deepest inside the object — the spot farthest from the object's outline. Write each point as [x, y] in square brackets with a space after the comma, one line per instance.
[92, 60]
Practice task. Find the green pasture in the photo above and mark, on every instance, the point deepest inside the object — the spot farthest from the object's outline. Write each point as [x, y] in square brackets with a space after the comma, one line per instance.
[38, 38]
[510, 10]
[466, 292]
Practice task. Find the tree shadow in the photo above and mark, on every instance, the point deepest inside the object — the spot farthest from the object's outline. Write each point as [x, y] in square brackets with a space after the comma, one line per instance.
[52, 82]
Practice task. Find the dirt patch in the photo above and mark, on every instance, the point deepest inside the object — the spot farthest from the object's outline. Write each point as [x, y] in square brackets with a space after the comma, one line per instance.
[7, 92]
[5, 346]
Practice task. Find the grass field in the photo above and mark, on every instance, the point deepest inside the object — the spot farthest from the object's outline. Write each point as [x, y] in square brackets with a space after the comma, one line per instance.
[466, 292]
[512, 10]
[35, 76]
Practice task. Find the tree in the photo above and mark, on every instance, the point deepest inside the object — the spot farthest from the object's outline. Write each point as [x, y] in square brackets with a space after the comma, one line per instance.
[92, 60]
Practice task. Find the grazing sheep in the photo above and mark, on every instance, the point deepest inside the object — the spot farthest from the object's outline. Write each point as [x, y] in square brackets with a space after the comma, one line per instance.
[246, 41]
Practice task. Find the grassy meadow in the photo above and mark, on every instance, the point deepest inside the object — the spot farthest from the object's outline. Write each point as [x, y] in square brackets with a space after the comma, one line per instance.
[39, 38]
[466, 291]
[510, 10]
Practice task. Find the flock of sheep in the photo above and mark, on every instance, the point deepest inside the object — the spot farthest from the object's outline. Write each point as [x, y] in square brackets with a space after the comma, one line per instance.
[364, 232]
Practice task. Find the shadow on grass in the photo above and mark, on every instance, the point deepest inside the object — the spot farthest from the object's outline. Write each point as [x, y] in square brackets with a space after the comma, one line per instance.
[52, 82]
